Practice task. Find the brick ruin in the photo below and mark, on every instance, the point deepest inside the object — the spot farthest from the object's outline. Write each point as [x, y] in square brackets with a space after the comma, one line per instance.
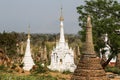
[89, 67]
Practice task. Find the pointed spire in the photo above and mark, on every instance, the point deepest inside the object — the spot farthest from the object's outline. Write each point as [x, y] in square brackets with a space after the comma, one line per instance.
[61, 16]
[89, 41]
[62, 38]
[28, 31]
[27, 60]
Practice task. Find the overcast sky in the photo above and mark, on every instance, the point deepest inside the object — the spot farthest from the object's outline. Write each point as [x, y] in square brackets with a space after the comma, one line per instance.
[42, 15]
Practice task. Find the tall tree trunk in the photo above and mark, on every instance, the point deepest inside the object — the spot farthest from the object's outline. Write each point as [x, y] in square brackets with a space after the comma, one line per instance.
[107, 62]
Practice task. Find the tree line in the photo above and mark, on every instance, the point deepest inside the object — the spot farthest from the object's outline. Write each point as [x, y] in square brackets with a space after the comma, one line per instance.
[9, 41]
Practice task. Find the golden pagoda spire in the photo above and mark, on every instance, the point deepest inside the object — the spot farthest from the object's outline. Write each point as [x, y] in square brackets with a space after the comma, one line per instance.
[62, 38]
[29, 31]
[61, 16]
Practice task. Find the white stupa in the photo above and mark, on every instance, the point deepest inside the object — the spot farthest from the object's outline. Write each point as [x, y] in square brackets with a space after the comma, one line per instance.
[27, 60]
[62, 57]
[107, 49]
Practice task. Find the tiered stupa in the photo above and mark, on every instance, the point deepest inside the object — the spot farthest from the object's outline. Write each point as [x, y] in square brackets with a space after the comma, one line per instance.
[89, 67]
[27, 60]
[62, 57]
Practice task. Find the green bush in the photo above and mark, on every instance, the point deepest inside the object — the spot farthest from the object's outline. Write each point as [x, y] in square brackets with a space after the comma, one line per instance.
[39, 69]
[113, 70]
[66, 72]
[2, 67]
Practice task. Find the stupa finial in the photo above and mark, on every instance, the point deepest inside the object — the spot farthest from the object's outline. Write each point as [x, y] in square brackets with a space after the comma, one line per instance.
[89, 21]
[61, 16]
[28, 31]
[89, 41]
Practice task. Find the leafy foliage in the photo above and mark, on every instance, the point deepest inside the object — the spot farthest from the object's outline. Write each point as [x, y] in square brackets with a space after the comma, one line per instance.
[105, 16]
[66, 72]
[39, 69]
[8, 42]
[2, 67]
[113, 69]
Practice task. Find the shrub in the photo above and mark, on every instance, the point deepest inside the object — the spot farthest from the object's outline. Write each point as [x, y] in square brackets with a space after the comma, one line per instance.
[113, 70]
[2, 67]
[66, 72]
[40, 69]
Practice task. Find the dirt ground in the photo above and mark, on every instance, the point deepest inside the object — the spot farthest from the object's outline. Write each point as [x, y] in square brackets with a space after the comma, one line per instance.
[113, 76]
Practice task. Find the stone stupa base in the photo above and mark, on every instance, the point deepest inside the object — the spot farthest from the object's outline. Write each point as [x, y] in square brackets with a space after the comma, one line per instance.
[89, 68]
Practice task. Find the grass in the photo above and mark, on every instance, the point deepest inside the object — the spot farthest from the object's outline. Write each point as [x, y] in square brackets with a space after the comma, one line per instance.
[28, 77]
[39, 73]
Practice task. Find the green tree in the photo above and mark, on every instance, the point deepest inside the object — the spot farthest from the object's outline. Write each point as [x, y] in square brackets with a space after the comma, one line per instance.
[105, 16]
[8, 42]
